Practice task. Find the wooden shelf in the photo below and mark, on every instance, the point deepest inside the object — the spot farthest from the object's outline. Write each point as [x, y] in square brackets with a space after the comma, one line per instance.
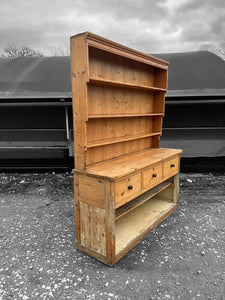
[125, 85]
[141, 199]
[125, 116]
[144, 218]
[120, 140]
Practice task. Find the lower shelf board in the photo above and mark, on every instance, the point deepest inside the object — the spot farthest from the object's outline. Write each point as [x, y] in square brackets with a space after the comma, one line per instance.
[134, 223]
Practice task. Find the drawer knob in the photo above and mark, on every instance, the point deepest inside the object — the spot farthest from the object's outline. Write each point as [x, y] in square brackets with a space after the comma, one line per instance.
[130, 187]
[154, 175]
[172, 166]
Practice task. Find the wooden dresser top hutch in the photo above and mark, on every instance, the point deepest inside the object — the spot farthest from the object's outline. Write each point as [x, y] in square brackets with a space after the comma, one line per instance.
[120, 173]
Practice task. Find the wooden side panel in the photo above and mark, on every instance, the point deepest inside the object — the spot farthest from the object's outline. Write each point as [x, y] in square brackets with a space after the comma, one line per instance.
[172, 193]
[166, 194]
[161, 78]
[91, 189]
[110, 223]
[158, 107]
[176, 189]
[79, 69]
[157, 124]
[159, 103]
[77, 207]
[155, 141]
[93, 228]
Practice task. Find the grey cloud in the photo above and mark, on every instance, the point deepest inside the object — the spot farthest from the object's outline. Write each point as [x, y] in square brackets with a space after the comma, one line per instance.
[201, 21]
[149, 26]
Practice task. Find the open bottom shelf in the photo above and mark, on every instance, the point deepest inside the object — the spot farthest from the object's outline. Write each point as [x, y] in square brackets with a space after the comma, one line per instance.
[133, 224]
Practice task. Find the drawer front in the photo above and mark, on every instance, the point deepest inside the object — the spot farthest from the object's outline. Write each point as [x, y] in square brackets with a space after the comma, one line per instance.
[171, 167]
[152, 176]
[127, 188]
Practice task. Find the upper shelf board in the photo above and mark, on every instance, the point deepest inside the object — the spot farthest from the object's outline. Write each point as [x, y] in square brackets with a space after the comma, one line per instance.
[116, 48]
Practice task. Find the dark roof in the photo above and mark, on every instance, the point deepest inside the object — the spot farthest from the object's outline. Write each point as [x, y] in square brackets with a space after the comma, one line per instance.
[30, 77]
[195, 73]
[190, 73]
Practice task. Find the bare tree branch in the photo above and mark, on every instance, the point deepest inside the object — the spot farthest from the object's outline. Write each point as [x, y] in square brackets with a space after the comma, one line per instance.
[218, 50]
[15, 51]
[60, 49]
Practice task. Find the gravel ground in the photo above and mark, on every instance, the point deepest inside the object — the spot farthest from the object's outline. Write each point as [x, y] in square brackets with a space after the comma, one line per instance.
[183, 258]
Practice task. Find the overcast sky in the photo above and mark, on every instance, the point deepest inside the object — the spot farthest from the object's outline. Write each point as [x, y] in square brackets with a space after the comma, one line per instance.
[151, 26]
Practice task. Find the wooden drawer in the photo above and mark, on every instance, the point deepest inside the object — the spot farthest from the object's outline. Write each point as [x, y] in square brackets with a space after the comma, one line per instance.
[171, 167]
[127, 188]
[152, 176]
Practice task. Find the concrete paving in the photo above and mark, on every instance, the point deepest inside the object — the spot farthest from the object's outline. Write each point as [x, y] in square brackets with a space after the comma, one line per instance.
[183, 258]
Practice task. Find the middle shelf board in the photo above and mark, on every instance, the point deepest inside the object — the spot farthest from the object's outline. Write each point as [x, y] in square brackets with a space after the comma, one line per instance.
[120, 140]
[125, 85]
[125, 115]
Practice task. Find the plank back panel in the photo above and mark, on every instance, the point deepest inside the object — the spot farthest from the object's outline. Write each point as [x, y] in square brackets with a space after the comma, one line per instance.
[107, 152]
[107, 100]
[107, 129]
[105, 65]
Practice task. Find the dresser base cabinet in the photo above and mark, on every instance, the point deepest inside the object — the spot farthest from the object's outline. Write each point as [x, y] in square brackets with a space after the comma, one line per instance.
[107, 231]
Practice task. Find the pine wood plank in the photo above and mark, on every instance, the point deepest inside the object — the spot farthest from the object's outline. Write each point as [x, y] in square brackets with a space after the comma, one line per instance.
[110, 224]
[80, 75]
[124, 115]
[159, 103]
[77, 207]
[161, 78]
[125, 85]
[92, 228]
[120, 140]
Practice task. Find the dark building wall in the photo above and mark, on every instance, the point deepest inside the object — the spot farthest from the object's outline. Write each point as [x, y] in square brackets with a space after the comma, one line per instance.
[197, 128]
[33, 131]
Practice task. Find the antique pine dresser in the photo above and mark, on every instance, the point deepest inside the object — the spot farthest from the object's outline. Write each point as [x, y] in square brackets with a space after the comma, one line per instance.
[125, 185]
